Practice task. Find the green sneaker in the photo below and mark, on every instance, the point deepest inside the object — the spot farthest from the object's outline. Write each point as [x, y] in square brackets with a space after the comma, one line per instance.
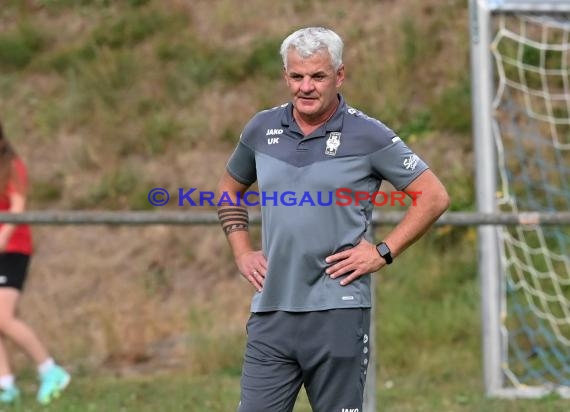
[52, 383]
[9, 395]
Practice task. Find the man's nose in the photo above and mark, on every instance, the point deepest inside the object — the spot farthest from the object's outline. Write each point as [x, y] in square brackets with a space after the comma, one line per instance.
[307, 84]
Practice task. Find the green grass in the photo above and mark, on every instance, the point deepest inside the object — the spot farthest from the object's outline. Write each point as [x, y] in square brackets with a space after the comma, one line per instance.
[220, 393]
[161, 393]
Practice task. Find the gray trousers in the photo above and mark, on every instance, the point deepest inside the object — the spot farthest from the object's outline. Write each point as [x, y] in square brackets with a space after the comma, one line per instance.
[326, 351]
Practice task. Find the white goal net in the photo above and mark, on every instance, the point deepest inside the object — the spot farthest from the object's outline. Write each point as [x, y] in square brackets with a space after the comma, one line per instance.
[531, 128]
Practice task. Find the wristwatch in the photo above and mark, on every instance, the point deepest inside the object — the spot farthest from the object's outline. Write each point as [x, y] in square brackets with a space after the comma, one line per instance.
[384, 251]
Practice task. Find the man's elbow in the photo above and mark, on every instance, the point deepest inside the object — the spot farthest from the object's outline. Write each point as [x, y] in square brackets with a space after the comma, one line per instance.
[442, 201]
[223, 186]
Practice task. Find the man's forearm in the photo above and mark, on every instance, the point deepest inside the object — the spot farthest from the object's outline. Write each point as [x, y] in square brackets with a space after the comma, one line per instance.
[233, 218]
[421, 215]
[414, 225]
[235, 224]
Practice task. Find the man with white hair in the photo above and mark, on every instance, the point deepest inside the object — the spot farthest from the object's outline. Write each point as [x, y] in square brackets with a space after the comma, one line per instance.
[310, 314]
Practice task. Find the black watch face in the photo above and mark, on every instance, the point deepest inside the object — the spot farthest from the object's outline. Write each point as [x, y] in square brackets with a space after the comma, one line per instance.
[383, 249]
[385, 252]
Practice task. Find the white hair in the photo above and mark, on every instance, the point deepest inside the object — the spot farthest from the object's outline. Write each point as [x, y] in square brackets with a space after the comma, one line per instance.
[312, 40]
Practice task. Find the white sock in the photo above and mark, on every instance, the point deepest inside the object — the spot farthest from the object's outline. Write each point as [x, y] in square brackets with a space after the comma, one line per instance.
[46, 365]
[6, 381]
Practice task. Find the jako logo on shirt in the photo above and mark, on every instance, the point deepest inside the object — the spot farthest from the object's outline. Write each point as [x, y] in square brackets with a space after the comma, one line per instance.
[273, 132]
[350, 410]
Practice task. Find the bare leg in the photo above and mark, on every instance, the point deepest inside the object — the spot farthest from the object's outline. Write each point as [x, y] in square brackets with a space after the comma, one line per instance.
[4, 363]
[16, 330]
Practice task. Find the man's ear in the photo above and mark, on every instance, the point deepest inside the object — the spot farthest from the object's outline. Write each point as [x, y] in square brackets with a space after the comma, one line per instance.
[284, 71]
[340, 76]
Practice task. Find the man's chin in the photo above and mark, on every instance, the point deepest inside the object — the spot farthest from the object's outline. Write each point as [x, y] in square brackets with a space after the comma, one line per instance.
[307, 109]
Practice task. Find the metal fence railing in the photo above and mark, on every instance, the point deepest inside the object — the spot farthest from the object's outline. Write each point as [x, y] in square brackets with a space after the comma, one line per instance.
[61, 217]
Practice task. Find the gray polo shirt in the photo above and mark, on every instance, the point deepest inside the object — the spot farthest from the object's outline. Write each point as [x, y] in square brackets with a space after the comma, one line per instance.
[307, 191]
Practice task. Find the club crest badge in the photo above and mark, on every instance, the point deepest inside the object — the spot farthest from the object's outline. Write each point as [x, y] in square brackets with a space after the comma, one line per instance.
[333, 142]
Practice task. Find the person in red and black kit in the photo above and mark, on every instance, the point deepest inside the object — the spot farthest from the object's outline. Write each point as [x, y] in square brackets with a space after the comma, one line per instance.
[15, 252]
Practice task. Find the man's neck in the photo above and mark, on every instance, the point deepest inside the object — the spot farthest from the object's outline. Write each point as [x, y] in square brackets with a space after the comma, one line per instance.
[309, 125]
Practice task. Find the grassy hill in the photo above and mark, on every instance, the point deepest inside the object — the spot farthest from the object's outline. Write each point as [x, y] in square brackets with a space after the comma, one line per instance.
[106, 100]
[124, 90]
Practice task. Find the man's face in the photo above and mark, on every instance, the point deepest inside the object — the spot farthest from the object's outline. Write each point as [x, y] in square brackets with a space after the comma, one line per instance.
[314, 84]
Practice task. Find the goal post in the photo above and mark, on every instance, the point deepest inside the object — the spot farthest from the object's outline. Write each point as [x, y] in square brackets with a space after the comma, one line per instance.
[520, 65]
[548, 6]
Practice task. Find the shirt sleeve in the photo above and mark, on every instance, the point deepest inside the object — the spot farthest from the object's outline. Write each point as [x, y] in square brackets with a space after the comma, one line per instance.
[241, 165]
[397, 163]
